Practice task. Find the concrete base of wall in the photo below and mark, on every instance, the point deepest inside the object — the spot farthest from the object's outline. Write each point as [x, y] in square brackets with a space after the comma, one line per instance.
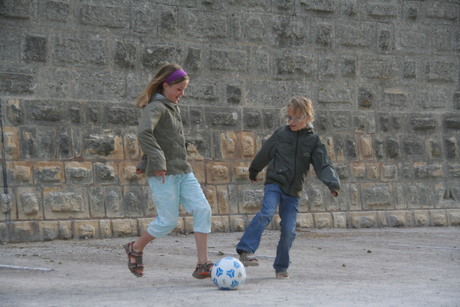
[28, 231]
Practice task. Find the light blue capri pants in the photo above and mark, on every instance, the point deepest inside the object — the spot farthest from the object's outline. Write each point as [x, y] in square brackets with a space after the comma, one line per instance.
[184, 189]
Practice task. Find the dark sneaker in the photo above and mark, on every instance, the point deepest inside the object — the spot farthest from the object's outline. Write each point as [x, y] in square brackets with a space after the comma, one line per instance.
[203, 270]
[248, 259]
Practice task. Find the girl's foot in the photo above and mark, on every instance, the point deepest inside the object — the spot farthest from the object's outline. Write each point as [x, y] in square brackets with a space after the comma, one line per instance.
[134, 260]
[203, 270]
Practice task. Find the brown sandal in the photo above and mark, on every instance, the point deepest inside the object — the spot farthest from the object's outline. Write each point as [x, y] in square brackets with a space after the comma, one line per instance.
[137, 268]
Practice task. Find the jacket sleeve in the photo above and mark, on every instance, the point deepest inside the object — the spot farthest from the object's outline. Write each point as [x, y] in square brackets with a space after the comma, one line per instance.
[323, 167]
[155, 156]
[263, 157]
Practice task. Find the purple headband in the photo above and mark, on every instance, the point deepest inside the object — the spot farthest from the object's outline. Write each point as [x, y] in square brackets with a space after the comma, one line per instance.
[176, 75]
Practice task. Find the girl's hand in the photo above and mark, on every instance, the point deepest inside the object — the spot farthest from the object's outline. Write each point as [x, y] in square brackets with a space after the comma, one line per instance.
[161, 174]
[335, 193]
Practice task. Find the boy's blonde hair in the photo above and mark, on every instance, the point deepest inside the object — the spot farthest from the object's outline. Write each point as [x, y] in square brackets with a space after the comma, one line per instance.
[301, 105]
[156, 84]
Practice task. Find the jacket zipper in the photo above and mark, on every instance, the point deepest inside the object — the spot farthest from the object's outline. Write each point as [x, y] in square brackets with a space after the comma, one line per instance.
[295, 159]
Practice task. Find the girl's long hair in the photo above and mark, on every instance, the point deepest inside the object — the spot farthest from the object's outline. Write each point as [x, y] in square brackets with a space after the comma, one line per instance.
[156, 84]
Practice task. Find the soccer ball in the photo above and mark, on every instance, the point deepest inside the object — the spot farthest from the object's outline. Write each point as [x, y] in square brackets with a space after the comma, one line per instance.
[228, 273]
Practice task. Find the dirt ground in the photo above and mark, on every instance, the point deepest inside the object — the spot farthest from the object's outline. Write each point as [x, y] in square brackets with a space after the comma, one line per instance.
[337, 267]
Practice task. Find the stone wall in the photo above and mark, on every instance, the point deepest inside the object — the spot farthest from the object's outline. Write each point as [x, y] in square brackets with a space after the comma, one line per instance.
[384, 77]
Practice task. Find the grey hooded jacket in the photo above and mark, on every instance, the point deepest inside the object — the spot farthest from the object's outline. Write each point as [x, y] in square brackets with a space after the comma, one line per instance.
[161, 137]
[288, 155]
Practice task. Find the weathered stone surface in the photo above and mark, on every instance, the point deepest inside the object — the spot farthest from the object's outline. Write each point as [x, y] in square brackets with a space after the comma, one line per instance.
[386, 112]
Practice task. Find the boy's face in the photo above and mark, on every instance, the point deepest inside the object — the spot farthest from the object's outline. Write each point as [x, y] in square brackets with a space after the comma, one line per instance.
[175, 91]
[296, 120]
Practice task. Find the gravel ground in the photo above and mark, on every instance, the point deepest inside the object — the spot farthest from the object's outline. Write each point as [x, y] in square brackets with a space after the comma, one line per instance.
[337, 267]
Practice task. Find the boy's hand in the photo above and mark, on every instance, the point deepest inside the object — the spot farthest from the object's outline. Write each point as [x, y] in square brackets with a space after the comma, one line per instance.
[335, 193]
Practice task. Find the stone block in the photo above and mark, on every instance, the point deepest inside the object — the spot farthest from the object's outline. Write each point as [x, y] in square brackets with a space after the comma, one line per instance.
[444, 11]
[421, 218]
[125, 54]
[295, 66]
[4, 233]
[65, 230]
[334, 94]
[35, 49]
[25, 232]
[79, 172]
[30, 203]
[105, 144]
[218, 173]
[252, 120]
[199, 170]
[398, 220]
[193, 60]
[97, 85]
[324, 34]
[127, 173]
[453, 217]
[121, 115]
[235, 60]
[57, 11]
[452, 123]
[132, 201]
[144, 223]
[422, 170]
[377, 196]
[325, 6]
[63, 203]
[236, 223]
[358, 170]
[441, 71]
[220, 224]
[438, 218]
[389, 171]
[49, 230]
[105, 16]
[49, 172]
[250, 200]
[21, 173]
[86, 229]
[305, 220]
[355, 197]
[363, 219]
[131, 146]
[80, 51]
[229, 145]
[224, 119]
[323, 220]
[223, 199]
[355, 34]
[211, 196]
[111, 198]
[105, 228]
[382, 10]
[241, 171]
[339, 219]
[365, 147]
[125, 227]
[17, 83]
[105, 173]
[188, 224]
[381, 68]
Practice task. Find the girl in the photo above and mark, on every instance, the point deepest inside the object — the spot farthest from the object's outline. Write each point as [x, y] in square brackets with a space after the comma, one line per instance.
[288, 154]
[161, 138]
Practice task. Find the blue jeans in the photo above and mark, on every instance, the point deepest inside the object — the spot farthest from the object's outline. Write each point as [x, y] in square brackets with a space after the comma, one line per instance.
[288, 208]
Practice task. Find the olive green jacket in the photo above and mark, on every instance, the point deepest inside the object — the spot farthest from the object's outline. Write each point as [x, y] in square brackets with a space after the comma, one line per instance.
[161, 137]
[288, 155]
